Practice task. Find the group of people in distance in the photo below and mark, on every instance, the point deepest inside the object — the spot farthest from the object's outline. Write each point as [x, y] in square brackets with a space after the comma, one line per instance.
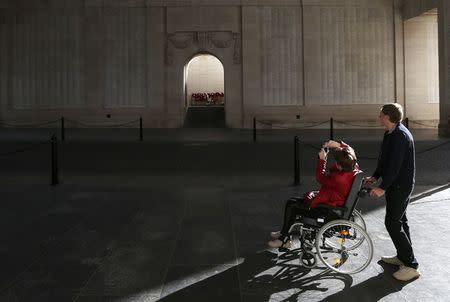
[393, 178]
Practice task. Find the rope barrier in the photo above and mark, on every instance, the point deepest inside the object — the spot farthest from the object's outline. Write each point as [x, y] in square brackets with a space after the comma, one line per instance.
[421, 124]
[374, 158]
[357, 125]
[317, 124]
[29, 125]
[271, 125]
[54, 156]
[8, 124]
[285, 128]
[103, 126]
[339, 122]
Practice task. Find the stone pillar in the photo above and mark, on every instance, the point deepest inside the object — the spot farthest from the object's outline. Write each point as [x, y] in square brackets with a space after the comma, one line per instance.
[444, 67]
[399, 53]
[251, 63]
[3, 59]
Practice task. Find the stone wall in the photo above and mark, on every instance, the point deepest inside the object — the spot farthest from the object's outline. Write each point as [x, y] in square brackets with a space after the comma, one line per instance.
[45, 59]
[349, 54]
[314, 58]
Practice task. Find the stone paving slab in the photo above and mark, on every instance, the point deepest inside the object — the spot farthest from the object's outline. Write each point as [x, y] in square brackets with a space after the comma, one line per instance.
[184, 218]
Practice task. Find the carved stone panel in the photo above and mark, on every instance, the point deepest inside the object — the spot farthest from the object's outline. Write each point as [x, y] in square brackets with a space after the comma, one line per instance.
[203, 40]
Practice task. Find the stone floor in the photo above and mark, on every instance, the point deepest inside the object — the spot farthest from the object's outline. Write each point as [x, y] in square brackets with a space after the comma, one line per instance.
[185, 216]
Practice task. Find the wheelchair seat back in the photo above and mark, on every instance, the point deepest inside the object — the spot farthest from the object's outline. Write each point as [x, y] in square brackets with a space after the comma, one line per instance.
[336, 212]
[353, 195]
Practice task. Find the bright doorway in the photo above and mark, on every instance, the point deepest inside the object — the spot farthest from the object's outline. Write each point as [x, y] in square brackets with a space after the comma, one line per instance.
[422, 70]
[204, 81]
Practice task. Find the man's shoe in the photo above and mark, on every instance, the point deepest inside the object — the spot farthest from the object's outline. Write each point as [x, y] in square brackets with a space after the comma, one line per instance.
[277, 243]
[392, 260]
[275, 235]
[406, 273]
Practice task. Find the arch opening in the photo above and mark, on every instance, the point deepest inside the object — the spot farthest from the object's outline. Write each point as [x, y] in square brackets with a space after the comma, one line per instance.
[204, 92]
[204, 81]
[422, 70]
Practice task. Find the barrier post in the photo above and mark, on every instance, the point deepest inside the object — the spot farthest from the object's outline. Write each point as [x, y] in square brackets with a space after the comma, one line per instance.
[296, 160]
[141, 132]
[406, 122]
[63, 130]
[54, 159]
[254, 129]
[331, 128]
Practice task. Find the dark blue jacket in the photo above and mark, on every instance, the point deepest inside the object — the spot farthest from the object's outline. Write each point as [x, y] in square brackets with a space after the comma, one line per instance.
[396, 161]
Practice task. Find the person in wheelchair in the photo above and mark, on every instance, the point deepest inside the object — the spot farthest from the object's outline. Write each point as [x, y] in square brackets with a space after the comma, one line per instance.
[335, 186]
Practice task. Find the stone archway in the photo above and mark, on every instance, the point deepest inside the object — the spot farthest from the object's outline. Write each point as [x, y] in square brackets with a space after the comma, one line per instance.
[181, 47]
[204, 92]
[421, 70]
[204, 81]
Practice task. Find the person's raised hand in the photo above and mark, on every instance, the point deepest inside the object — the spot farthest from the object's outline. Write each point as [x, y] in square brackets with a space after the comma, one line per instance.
[323, 154]
[331, 144]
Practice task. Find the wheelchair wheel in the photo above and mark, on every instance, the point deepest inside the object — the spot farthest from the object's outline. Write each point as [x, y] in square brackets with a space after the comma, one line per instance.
[344, 247]
[308, 259]
[358, 219]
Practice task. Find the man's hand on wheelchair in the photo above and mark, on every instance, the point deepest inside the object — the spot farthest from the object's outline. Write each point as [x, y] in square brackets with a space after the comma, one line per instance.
[369, 181]
[376, 192]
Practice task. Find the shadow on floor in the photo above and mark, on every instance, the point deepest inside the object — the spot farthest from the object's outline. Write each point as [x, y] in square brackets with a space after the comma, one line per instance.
[372, 289]
[259, 277]
[263, 277]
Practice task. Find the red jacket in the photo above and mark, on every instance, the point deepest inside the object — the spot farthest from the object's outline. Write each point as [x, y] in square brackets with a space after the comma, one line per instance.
[335, 185]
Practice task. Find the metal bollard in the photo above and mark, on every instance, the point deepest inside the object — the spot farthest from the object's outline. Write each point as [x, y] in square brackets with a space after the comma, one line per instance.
[141, 131]
[331, 128]
[63, 130]
[296, 161]
[54, 159]
[254, 129]
[406, 122]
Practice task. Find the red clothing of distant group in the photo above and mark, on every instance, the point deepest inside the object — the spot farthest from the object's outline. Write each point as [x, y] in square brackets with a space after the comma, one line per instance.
[335, 185]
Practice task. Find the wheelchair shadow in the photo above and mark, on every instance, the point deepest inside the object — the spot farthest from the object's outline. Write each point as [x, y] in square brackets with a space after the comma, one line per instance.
[289, 281]
[261, 276]
[372, 289]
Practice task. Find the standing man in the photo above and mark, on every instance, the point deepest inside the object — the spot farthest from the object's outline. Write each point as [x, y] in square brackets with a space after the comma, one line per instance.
[396, 170]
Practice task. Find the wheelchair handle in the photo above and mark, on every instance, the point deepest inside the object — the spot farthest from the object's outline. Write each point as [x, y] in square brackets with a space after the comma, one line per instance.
[364, 192]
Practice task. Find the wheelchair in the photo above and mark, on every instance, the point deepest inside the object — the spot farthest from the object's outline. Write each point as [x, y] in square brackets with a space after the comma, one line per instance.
[338, 238]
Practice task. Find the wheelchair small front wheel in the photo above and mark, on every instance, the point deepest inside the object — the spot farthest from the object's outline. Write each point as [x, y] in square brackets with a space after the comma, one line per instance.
[308, 259]
[344, 246]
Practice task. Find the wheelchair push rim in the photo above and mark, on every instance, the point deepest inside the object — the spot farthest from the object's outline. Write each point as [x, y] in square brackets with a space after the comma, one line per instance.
[344, 247]
[357, 218]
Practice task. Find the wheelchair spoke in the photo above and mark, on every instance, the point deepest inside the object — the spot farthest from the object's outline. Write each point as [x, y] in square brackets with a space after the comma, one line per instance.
[344, 246]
